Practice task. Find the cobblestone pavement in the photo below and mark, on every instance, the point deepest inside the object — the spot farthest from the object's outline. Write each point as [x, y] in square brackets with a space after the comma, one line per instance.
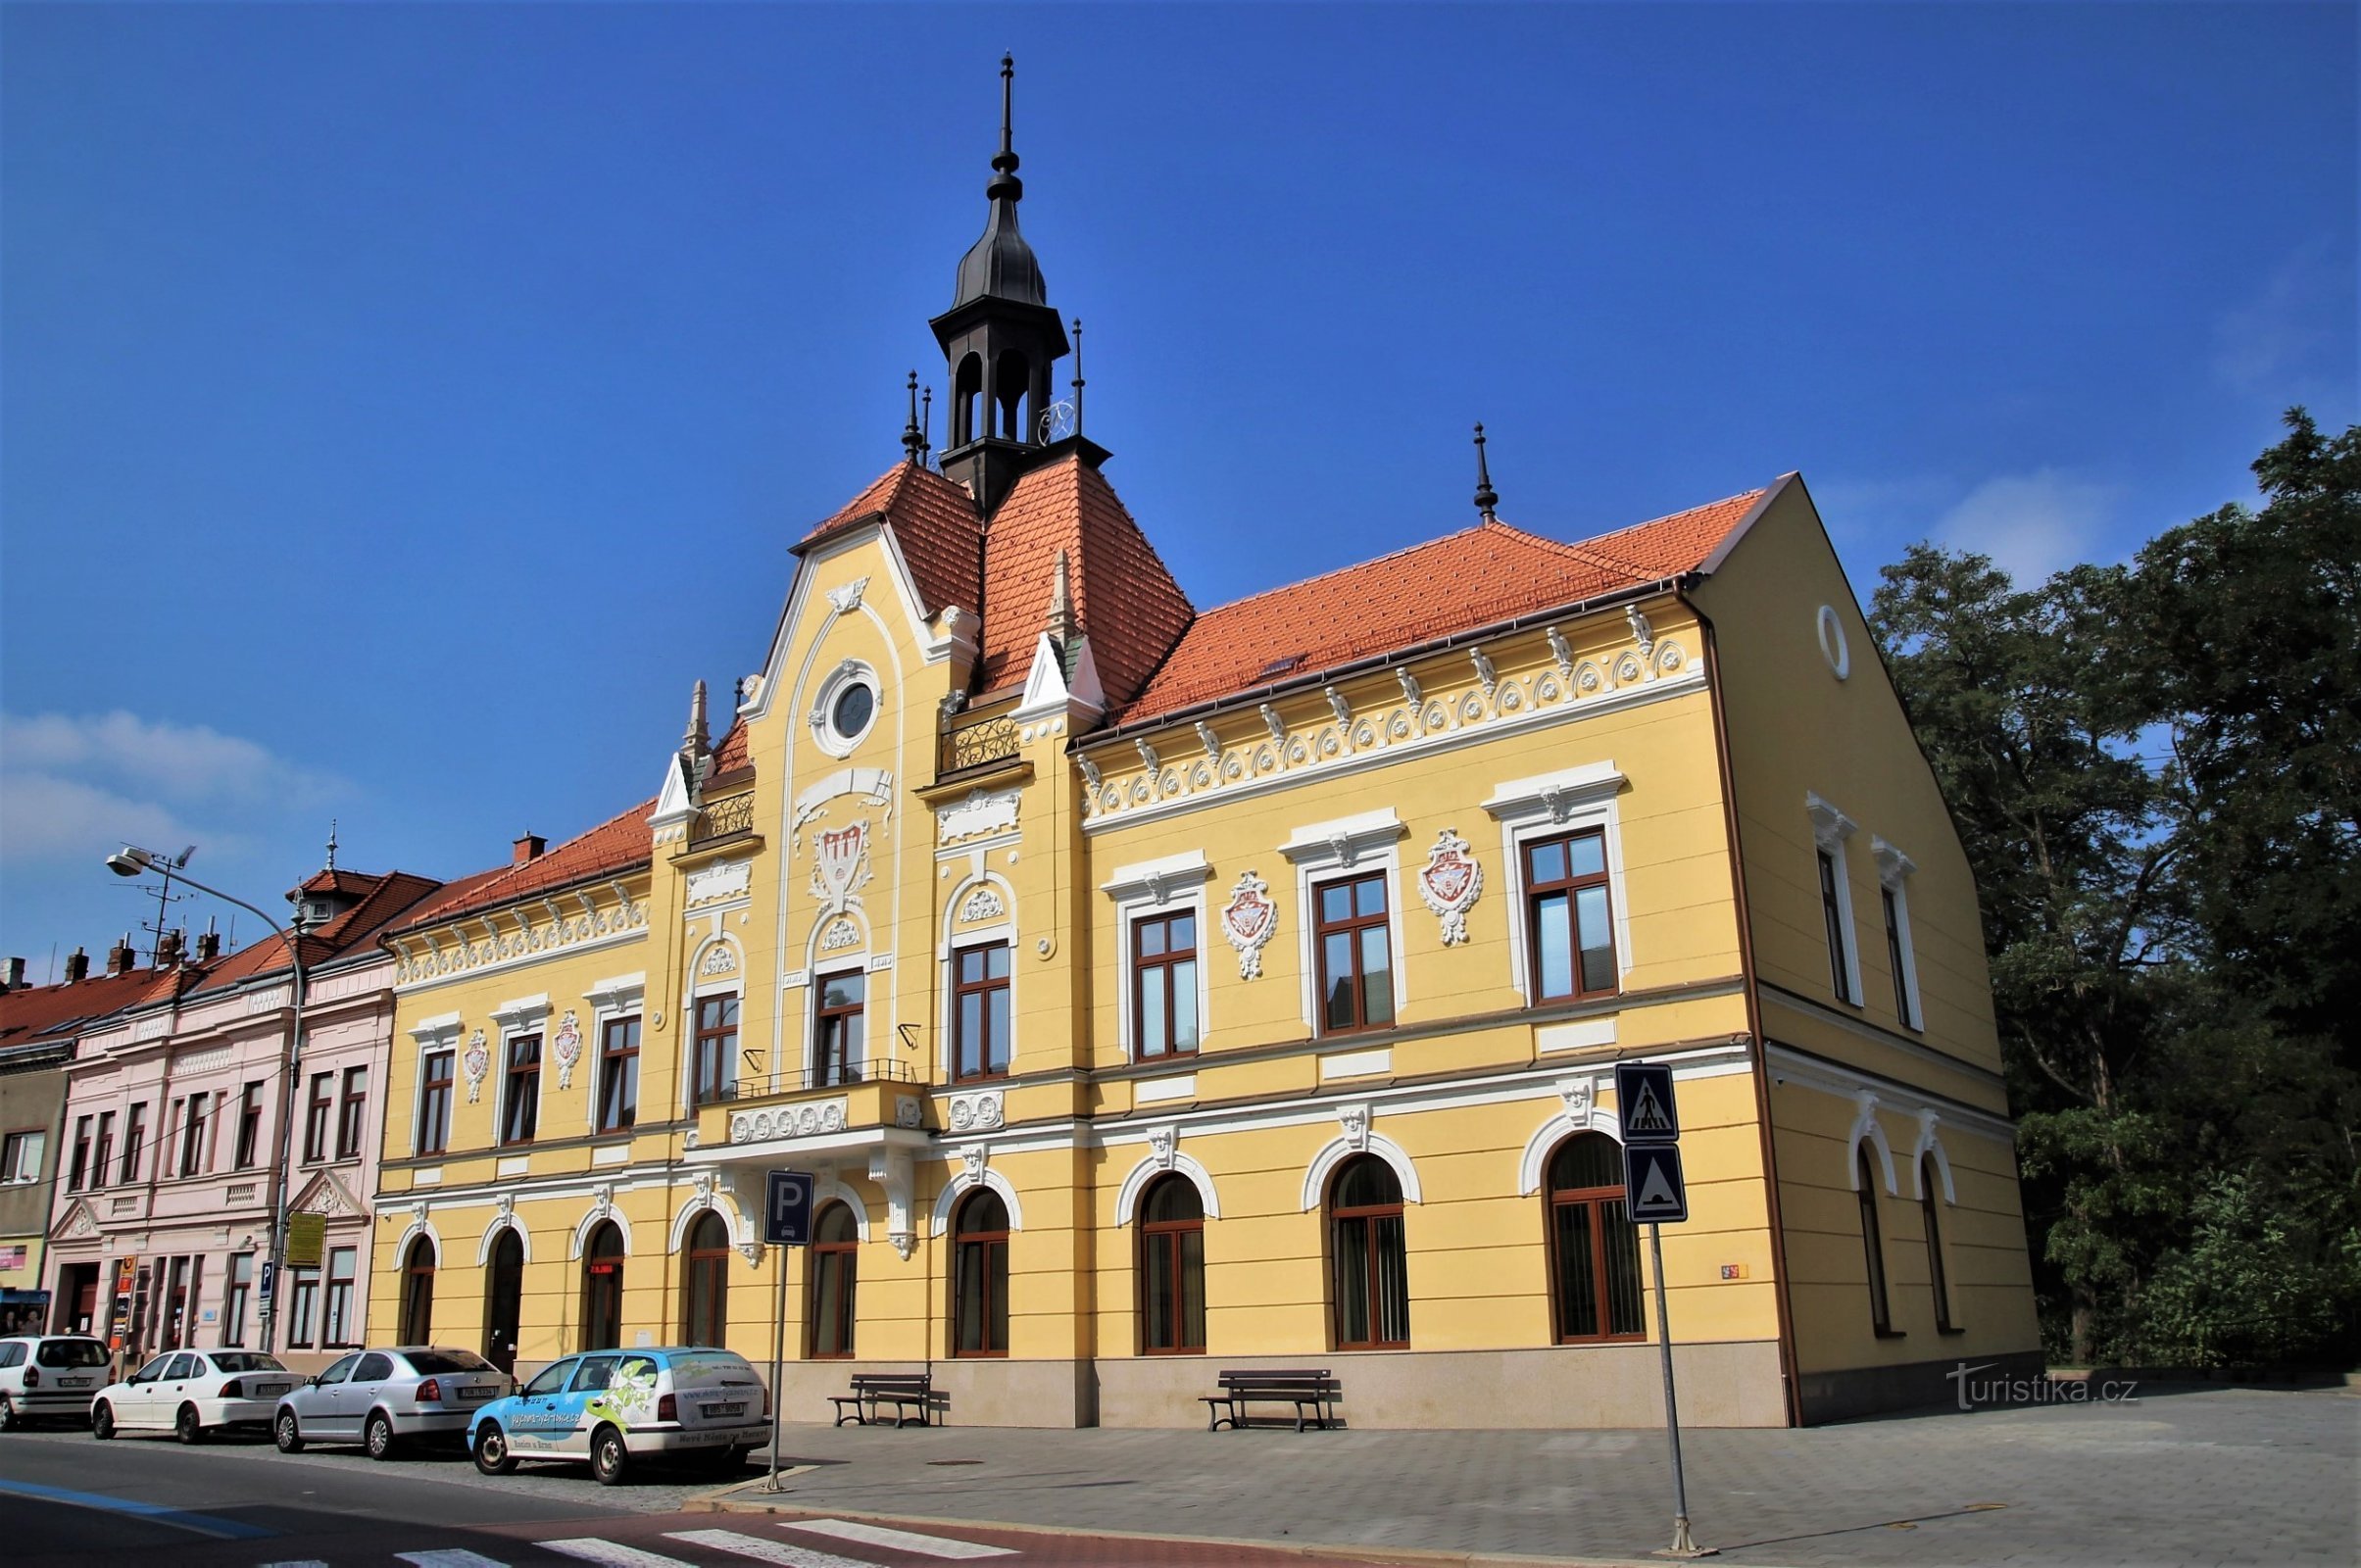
[2181, 1476]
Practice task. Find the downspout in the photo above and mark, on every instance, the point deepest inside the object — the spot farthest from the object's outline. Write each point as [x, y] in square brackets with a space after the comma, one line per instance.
[1791, 1394]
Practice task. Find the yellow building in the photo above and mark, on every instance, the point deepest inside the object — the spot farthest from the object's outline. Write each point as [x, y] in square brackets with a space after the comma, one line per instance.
[1159, 992]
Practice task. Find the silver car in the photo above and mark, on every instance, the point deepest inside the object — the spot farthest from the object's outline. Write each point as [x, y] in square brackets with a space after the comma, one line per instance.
[49, 1376]
[382, 1399]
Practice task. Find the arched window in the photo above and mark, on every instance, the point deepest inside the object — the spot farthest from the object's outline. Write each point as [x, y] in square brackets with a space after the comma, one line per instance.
[967, 385]
[835, 1256]
[603, 1289]
[1873, 1245]
[705, 1283]
[1172, 1268]
[1012, 380]
[1369, 1270]
[504, 1299]
[418, 1294]
[979, 1277]
[1594, 1246]
[1938, 1279]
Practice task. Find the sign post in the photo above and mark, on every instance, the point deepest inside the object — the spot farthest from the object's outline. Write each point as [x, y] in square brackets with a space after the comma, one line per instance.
[1654, 1194]
[786, 1222]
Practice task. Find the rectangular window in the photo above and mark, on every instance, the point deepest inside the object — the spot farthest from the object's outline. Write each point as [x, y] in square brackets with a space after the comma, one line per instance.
[520, 1102]
[979, 1044]
[319, 1111]
[1567, 918]
[303, 1304]
[21, 1156]
[134, 1132]
[435, 1100]
[249, 1124]
[1831, 913]
[836, 1029]
[193, 1136]
[717, 1058]
[81, 1168]
[235, 1298]
[618, 1075]
[351, 1109]
[336, 1327]
[1898, 954]
[102, 1149]
[1163, 984]
[1356, 954]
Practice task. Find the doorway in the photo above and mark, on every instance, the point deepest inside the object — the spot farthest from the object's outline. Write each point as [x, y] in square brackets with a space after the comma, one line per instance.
[503, 1297]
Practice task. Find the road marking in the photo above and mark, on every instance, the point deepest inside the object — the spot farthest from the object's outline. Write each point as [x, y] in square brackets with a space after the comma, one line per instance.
[590, 1548]
[198, 1524]
[762, 1550]
[449, 1557]
[898, 1540]
[300, 1562]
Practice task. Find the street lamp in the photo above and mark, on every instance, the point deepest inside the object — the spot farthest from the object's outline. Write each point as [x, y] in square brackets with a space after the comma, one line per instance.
[132, 861]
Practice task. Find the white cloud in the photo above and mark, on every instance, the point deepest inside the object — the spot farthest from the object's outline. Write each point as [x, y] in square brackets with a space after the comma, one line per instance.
[178, 762]
[2031, 524]
[44, 818]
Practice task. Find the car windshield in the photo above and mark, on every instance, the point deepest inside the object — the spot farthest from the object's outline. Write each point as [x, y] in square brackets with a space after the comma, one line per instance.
[71, 1352]
[446, 1361]
[552, 1379]
[246, 1362]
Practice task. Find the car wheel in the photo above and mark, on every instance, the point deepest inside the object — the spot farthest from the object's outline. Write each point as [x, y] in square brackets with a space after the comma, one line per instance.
[378, 1437]
[492, 1454]
[609, 1458]
[8, 1414]
[287, 1433]
[102, 1421]
[187, 1427]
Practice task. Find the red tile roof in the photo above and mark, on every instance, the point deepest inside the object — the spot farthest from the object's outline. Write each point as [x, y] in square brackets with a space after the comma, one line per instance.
[934, 523]
[733, 753]
[34, 1012]
[1491, 573]
[1126, 602]
[616, 844]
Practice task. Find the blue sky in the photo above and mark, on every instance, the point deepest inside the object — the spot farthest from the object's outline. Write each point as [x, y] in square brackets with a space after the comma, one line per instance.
[400, 406]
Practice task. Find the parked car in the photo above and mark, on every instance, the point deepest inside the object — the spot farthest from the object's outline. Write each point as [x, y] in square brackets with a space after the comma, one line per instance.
[613, 1407]
[193, 1392]
[383, 1399]
[48, 1376]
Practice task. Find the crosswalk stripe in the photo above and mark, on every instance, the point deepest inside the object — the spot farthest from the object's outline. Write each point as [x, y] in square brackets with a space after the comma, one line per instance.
[590, 1548]
[449, 1557]
[762, 1550]
[898, 1540]
[300, 1562]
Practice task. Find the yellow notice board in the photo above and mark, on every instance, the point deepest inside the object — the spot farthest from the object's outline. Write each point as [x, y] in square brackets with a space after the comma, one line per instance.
[305, 1235]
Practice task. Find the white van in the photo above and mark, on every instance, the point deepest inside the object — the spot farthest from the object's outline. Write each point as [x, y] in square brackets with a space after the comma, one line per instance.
[613, 1406]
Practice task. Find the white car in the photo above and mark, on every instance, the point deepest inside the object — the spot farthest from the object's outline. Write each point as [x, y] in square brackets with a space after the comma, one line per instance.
[613, 1406]
[49, 1375]
[191, 1392]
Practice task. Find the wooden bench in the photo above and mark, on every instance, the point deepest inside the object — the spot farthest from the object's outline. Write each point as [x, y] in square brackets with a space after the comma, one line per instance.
[901, 1389]
[1307, 1388]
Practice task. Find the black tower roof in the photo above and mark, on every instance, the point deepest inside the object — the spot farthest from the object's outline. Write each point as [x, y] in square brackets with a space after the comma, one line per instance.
[1000, 266]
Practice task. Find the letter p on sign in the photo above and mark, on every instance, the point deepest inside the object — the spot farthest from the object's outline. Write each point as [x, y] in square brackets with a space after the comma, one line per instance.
[787, 1208]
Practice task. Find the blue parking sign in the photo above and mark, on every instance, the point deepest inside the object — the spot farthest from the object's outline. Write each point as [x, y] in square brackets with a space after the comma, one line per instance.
[787, 1208]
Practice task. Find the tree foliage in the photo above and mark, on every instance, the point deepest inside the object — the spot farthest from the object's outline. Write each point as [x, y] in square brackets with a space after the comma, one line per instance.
[2156, 771]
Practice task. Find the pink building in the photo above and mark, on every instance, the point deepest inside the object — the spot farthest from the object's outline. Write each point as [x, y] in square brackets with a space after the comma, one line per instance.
[171, 1128]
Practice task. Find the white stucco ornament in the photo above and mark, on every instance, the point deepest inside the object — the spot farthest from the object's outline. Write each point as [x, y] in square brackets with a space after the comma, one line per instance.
[477, 1062]
[1450, 883]
[566, 1045]
[1248, 921]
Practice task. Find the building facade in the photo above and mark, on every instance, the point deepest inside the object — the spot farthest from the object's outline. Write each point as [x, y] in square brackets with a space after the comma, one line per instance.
[1157, 991]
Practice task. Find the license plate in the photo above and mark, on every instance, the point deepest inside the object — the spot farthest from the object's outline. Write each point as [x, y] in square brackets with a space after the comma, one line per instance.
[467, 1392]
[74, 1383]
[270, 1390]
[713, 1410]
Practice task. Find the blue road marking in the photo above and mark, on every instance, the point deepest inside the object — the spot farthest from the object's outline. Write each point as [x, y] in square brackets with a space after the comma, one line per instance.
[198, 1523]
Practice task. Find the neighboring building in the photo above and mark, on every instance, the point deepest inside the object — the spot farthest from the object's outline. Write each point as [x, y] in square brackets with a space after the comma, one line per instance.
[162, 1219]
[1159, 991]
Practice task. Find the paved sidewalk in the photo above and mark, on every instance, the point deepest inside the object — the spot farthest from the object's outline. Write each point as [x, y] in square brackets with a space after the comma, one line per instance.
[2181, 1476]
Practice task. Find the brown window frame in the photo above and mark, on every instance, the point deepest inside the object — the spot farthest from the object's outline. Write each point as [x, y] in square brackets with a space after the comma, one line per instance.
[1164, 971]
[434, 1099]
[1891, 903]
[1570, 887]
[715, 1047]
[837, 1031]
[134, 1141]
[1938, 1275]
[419, 1264]
[1352, 927]
[846, 1254]
[352, 1111]
[1170, 1236]
[192, 1133]
[319, 1116]
[986, 1245]
[1832, 915]
[519, 1089]
[1365, 1215]
[102, 1150]
[1597, 1199]
[602, 1278]
[961, 988]
[249, 1124]
[78, 1172]
[1873, 1247]
[704, 1280]
[617, 1059]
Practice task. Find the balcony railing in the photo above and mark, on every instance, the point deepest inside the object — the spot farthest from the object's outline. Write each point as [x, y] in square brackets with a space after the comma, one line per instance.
[725, 819]
[805, 1080]
[977, 743]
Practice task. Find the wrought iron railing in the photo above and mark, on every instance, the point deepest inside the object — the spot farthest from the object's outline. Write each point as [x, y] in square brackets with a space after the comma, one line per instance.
[976, 743]
[722, 819]
[754, 1085]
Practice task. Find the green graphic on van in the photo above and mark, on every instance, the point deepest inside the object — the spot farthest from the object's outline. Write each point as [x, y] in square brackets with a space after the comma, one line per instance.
[629, 1397]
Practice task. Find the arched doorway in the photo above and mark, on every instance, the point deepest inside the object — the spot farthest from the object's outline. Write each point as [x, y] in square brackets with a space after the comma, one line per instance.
[603, 1288]
[705, 1282]
[1369, 1267]
[1172, 1268]
[418, 1294]
[1594, 1246]
[835, 1264]
[504, 1299]
[980, 1276]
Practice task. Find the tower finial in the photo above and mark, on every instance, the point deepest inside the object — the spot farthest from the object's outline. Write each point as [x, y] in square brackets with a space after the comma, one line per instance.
[1077, 375]
[926, 421]
[1063, 626]
[696, 740]
[913, 445]
[332, 844]
[1485, 499]
[1004, 162]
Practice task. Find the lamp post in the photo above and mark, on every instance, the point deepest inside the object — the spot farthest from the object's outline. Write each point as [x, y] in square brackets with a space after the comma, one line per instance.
[131, 860]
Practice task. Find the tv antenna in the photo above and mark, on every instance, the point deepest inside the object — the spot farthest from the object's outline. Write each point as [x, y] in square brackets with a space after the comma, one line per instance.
[166, 898]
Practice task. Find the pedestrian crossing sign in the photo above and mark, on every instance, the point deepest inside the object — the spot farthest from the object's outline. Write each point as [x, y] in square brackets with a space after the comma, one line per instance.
[1644, 1103]
[1651, 1184]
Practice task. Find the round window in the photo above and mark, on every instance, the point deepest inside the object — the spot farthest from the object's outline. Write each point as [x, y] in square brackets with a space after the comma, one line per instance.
[854, 706]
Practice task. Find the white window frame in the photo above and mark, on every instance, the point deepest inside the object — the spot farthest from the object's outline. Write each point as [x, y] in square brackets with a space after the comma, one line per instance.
[1347, 846]
[1173, 885]
[1830, 829]
[1549, 806]
[526, 1015]
[822, 719]
[1893, 872]
[432, 1035]
[625, 996]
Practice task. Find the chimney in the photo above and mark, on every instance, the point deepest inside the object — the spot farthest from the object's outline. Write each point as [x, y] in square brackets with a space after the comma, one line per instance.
[12, 976]
[168, 949]
[118, 956]
[209, 946]
[528, 847]
[78, 966]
